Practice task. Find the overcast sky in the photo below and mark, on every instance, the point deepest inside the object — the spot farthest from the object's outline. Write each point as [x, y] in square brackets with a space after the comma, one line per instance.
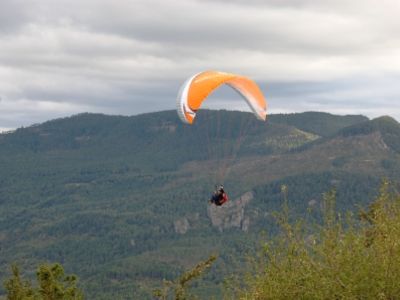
[63, 57]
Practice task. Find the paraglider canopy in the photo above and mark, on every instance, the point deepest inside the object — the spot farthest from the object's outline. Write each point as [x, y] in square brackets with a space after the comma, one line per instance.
[190, 99]
[196, 89]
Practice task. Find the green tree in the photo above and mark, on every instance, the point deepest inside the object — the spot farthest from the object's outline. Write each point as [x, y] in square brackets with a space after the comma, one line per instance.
[17, 289]
[52, 284]
[55, 285]
[339, 259]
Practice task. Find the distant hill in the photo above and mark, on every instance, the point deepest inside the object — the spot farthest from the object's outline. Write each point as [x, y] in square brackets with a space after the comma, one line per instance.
[322, 124]
[122, 201]
[388, 127]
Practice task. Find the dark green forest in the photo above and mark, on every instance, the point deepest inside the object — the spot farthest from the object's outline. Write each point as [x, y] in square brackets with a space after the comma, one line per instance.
[122, 201]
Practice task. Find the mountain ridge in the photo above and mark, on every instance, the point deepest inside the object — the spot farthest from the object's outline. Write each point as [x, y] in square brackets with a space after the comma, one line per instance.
[104, 194]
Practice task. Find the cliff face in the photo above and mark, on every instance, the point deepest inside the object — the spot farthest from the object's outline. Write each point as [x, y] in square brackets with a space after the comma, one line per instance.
[231, 214]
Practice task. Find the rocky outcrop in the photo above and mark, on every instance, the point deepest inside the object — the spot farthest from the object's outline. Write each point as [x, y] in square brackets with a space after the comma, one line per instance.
[182, 225]
[231, 214]
[312, 203]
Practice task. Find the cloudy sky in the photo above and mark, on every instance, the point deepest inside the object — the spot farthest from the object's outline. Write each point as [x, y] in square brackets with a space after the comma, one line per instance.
[63, 57]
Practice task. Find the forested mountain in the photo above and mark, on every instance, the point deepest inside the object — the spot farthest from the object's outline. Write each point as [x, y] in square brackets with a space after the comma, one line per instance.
[122, 201]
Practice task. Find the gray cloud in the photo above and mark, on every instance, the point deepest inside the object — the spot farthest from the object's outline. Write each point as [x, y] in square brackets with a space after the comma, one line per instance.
[13, 16]
[63, 57]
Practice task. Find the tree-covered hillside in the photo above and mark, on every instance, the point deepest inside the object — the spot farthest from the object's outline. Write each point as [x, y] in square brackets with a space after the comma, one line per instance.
[122, 201]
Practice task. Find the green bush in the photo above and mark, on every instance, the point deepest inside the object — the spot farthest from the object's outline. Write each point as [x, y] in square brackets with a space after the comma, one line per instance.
[344, 258]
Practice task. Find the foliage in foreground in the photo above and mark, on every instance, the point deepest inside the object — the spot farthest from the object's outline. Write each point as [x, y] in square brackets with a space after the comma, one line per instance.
[52, 284]
[178, 287]
[340, 259]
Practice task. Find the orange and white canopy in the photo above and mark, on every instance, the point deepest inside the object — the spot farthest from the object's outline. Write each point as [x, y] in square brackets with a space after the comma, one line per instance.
[196, 89]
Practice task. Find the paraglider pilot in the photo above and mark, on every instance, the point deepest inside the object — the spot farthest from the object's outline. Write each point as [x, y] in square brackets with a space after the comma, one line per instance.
[219, 197]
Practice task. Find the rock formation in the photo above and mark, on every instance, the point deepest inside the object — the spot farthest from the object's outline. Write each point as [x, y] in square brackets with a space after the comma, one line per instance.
[231, 214]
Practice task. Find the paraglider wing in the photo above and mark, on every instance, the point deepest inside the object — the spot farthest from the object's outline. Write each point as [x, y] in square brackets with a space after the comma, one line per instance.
[196, 89]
